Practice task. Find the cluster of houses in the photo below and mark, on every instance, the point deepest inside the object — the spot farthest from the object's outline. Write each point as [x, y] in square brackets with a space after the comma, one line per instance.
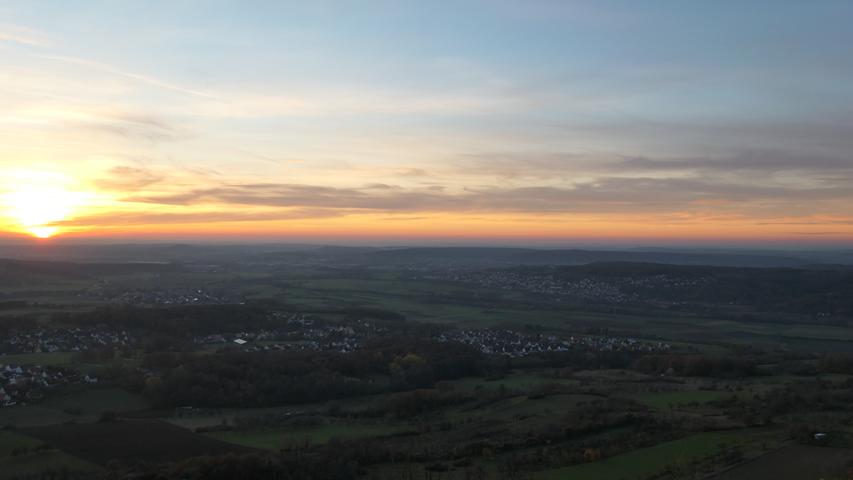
[653, 282]
[296, 323]
[302, 333]
[294, 319]
[104, 290]
[515, 344]
[614, 290]
[308, 340]
[340, 345]
[580, 289]
[24, 384]
[48, 340]
[174, 296]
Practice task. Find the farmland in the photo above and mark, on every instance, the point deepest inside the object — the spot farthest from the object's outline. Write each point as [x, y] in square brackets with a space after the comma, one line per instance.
[421, 370]
[22, 455]
[678, 454]
[794, 463]
[129, 440]
[277, 439]
[664, 400]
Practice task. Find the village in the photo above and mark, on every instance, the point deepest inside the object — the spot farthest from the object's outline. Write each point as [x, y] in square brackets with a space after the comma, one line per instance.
[615, 290]
[302, 333]
[319, 336]
[179, 296]
[50, 340]
[104, 290]
[23, 384]
[584, 289]
[514, 344]
[325, 339]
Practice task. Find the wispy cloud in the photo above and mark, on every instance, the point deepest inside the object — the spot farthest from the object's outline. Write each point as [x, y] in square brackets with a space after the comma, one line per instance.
[144, 79]
[543, 112]
[125, 123]
[24, 36]
[344, 102]
[127, 179]
[140, 125]
[761, 163]
[206, 217]
[603, 195]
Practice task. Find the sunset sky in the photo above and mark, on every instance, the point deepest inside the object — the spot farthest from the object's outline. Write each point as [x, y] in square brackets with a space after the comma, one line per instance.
[635, 122]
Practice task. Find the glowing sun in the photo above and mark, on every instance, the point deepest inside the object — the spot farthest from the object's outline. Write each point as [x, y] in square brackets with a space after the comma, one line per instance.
[35, 202]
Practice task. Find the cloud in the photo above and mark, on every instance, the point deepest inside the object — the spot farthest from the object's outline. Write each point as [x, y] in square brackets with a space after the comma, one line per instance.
[134, 125]
[144, 79]
[825, 132]
[124, 123]
[602, 195]
[380, 186]
[24, 36]
[124, 179]
[531, 165]
[119, 219]
[315, 101]
[561, 164]
[812, 222]
[764, 161]
[413, 172]
[296, 195]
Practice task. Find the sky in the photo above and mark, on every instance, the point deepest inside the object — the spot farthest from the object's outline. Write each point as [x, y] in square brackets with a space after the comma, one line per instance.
[531, 121]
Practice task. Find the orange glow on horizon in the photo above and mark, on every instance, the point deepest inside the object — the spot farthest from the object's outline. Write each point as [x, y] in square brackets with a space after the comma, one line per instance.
[453, 226]
[35, 201]
[45, 205]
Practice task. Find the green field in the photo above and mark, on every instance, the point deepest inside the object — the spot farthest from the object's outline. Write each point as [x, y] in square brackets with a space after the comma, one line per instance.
[40, 463]
[130, 440]
[78, 406]
[10, 440]
[275, 439]
[34, 463]
[57, 358]
[647, 461]
[540, 412]
[97, 400]
[428, 301]
[665, 400]
[543, 408]
[795, 463]
[519, 380]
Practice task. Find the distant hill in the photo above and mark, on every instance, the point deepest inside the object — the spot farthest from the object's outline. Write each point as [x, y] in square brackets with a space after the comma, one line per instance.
[330, 255]
[17, 272]
[495, 256]
[155, 252]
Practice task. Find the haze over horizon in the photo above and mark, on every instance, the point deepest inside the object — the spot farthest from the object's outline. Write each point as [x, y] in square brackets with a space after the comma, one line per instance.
[535, 123]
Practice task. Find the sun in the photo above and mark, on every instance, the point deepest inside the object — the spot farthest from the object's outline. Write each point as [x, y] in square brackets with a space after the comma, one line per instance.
[35, 202]
[43, 232]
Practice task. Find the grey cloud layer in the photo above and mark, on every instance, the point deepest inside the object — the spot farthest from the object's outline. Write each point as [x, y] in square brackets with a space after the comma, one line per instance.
[125, 179]
[610, 194]
[762, 162]
[134, 125]
[206, 217]
[762, 185]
